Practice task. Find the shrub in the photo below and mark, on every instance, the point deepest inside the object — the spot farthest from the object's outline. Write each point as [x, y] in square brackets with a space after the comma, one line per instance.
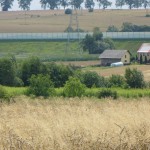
[18, 82]
[134, 78]
[68, 11]
[112, 29]
[90, 79]
[147, 15]
[90, 10]
[105, 93]
[40, 85]
[73, 88]
[117, 81]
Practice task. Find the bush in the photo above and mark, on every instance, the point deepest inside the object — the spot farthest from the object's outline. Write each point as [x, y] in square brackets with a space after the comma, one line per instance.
[90, 10]
[147, 15]
[134, 78]
[73, 88]
[117, 81]
[106, 93]
[68, 11]
[41, 85]
[112, 29]
[18, 82]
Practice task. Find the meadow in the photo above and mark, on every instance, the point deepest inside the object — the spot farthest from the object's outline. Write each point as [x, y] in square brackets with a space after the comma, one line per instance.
[75, 124]
[56, 50]
[57, 21]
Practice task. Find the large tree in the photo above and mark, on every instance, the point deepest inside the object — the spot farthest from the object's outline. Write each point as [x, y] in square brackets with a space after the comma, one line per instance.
[76, 3]
[24, 4]
[104, 3]
[89, 4]
[137, 3]
[146, 3]
[130, 3]
[120, 3]
[6, 4]
[52, 4]
[64, 3]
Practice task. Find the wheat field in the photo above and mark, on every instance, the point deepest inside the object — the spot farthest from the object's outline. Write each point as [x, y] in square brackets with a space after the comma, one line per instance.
[75, 124]
[57, 21]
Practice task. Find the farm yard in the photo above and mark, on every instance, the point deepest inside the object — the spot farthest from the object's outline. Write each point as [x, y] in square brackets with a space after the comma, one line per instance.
[56, 21]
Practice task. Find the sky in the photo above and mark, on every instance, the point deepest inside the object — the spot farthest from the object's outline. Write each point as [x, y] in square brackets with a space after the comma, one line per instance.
[35, 5]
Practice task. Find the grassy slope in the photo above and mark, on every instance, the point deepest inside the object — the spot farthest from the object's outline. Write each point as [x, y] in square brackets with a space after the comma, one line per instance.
[57, 50]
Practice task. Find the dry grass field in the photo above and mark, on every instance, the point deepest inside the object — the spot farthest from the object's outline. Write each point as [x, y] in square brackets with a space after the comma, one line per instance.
[57, 21]
[75, 124]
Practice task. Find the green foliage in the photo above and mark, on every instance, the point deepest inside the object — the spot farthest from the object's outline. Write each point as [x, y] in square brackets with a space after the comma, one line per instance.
[117, 81]
[106, 93]
[73, 88]
[41, 86]
[134, 78]
[147, 15]
[129, 27]
[89, 4]
[18, 82]
[7, 72]
[145, 60]
[6, 4]
[24, 4]
[3, 93]
[59, 74]
[31, 66]
[90, 79]
[68, 11]
[95, 43]
[112, 29]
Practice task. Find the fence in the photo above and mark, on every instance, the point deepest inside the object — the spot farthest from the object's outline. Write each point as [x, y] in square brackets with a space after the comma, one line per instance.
[72, 36]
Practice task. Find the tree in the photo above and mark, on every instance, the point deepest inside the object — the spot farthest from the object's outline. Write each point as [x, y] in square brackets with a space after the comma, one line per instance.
[40, 86]
[141, 59]
[145, 61]
[6, 4]
[24, 4]
[137, 3]
[120, 3]
[73, 88]
[130, 3]
[76, 3]
[52, 4]
[105, 3]
[146, 3]
[31, 66]
[97, 34]
[7, 72]
[64, 3]
[112, 29]
[89, 4]
[134, 78]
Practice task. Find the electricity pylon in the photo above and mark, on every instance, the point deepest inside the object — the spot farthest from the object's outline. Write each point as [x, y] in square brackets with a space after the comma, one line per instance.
[73, 25]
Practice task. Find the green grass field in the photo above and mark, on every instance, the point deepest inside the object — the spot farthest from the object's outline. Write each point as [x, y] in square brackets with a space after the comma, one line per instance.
[55, 51]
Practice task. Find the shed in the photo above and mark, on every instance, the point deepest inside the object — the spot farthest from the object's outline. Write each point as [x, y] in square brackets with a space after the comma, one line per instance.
[112, 56]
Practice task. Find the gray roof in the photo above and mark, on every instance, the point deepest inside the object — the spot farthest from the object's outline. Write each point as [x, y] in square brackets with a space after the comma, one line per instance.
[113, 54]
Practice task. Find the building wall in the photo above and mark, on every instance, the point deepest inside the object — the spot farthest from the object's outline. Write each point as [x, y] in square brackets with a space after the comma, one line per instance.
[143, 56]
[108, 61]
[126, 58]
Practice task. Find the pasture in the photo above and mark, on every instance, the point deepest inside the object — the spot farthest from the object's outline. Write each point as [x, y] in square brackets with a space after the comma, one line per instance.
[72, 124]
[56, 50]
[56, 21]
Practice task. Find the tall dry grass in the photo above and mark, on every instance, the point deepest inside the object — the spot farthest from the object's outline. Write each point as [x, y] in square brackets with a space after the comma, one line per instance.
[75, 124]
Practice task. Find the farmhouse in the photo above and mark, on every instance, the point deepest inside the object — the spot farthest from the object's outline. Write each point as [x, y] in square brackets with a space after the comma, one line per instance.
[112, 56]
[144, 53]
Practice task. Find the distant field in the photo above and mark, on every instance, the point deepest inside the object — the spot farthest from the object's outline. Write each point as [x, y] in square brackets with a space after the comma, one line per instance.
[56, 51]
[57, 21]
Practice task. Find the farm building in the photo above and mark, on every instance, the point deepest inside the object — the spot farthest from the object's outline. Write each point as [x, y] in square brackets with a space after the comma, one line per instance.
[111, 56]
[144, 52]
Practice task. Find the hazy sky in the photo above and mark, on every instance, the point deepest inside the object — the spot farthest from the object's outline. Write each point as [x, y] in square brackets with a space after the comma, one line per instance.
[35, 5]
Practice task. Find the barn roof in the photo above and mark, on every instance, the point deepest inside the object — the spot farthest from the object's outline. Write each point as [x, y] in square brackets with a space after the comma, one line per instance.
[113, 54]
[145, 48]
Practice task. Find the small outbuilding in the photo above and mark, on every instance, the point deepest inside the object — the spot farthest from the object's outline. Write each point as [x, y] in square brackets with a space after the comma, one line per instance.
[144, 52]
[112, 56]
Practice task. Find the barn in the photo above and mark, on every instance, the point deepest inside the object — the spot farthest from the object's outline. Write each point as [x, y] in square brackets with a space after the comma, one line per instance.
[111, 56]
[144, 52]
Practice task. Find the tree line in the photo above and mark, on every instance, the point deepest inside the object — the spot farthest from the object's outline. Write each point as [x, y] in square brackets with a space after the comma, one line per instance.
[89, 4]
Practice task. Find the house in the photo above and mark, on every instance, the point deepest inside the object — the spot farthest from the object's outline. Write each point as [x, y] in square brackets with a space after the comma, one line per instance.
[112, 56]
[144, 52]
